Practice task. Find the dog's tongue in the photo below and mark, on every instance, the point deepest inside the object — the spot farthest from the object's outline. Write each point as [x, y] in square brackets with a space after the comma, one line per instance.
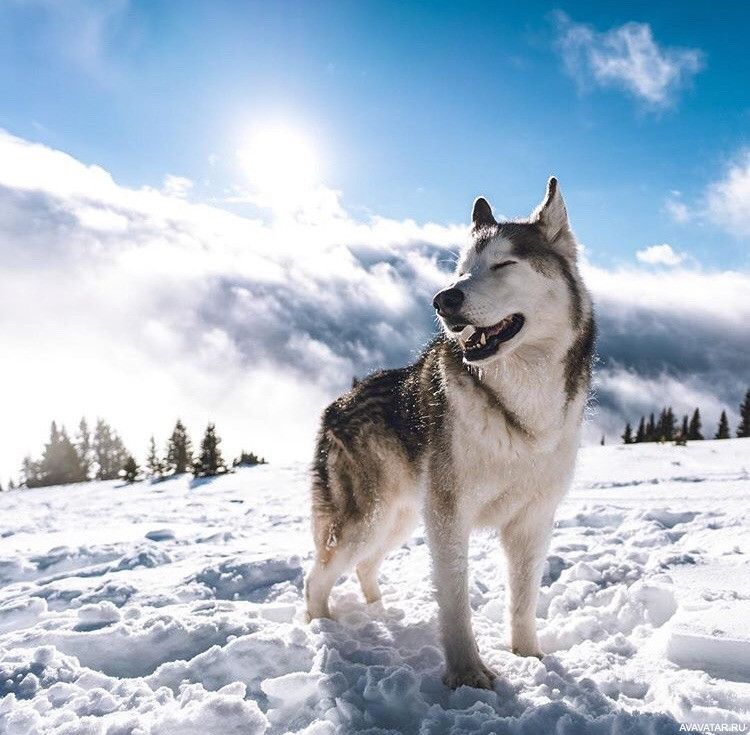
[492, 331]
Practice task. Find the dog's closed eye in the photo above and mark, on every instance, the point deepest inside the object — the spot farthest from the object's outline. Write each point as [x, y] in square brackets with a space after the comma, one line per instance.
[498, 266]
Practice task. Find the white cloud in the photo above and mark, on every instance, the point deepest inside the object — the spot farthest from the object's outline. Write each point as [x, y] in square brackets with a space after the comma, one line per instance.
[677, 209]
[660, 255]
[627, 57]
[728, 200]
[141, 307]
[177, 186]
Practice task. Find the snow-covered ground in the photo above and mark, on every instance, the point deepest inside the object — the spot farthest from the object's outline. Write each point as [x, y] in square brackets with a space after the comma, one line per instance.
[175, 607]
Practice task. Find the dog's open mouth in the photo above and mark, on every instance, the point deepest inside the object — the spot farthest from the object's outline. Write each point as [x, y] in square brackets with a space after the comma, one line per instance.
[479, 343]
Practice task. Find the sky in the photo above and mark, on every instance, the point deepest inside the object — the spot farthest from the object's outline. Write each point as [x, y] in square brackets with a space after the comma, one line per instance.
[225, 210]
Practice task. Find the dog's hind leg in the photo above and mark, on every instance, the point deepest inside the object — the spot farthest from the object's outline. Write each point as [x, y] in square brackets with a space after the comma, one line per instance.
[400, 525]
[329, 565]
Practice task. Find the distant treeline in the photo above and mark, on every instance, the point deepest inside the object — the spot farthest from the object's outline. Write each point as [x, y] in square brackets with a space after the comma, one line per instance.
[102, 455]
[665, 428]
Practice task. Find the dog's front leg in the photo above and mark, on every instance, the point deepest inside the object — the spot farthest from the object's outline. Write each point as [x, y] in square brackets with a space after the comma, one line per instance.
[525, 539]
[449, 547]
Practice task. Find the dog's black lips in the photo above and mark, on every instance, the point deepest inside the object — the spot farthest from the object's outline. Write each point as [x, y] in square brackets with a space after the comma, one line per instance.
[473, 352]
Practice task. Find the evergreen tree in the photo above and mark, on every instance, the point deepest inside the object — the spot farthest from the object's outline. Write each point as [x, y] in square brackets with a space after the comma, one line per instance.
[11, 484]
[684, 429]
[665, 428]
[668, 427]
[84, 449]
[209, 462]
[651, 429]
[603, 441]
[659, 429]
[627, 435]
[722, 432]
[694, 430]
[744, 428]
[154, 464]
[60, 464]
[179, 450]
[130, 469]
[31, 473]
[248, 459]
[640, 434]
[109, 452]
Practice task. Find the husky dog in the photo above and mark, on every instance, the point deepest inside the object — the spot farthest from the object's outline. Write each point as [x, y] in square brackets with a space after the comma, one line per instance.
[481, 431]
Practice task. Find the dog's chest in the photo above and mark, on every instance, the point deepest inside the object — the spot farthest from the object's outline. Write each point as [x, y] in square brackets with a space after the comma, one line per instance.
[504, 456]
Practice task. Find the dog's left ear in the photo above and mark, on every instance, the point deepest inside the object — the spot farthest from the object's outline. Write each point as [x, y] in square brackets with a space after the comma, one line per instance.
[552, 216]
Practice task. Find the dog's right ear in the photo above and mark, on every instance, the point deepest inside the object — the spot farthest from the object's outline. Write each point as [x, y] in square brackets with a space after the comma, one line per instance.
[481, 214]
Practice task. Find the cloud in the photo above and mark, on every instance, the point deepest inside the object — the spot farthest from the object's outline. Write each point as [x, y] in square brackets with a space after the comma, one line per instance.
[141, 306]
[177, 186]
[660, 255]
[724, 202]
[727, 201]
[677, 209]
[626, 57]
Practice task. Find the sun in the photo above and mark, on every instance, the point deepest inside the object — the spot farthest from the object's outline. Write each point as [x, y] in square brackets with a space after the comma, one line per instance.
[280, 164]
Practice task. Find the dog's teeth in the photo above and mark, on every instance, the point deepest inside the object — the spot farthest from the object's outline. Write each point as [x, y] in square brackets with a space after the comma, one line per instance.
[483, 338]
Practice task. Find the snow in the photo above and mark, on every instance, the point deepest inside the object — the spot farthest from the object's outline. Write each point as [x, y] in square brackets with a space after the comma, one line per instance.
[176, 607]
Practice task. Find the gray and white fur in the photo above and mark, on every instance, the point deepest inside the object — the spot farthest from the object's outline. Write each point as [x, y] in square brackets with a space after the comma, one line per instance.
[480, 432]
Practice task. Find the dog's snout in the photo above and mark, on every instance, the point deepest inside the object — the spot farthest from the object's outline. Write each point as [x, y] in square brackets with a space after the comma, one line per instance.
[448, 300]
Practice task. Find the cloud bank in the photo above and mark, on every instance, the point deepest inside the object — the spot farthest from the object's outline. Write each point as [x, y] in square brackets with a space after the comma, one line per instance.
[626, 57]
[139, 305]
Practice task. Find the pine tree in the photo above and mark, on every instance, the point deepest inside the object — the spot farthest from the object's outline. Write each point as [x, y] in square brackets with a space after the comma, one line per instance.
[722, 432]
[682, 435]
[744, 428]
[627, 435]
[31, 473]
[684, 429]
[83, 449]
[668, 428]
[154, 465]
[130, 469]
[694, 430]
[640, 434]
[248, 459]
[109, 452]
[179, 450]
[209, 462]
[11, 484]
[59, 464]
[651, 429]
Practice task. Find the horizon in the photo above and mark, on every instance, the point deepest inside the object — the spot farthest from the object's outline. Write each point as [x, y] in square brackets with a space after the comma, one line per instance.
[225, 214]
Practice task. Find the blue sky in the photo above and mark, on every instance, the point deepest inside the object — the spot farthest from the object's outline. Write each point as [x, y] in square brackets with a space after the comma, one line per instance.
[413, 108]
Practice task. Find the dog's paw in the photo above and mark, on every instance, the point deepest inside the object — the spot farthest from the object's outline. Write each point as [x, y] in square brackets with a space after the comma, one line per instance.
[479, 677]
[528, 651]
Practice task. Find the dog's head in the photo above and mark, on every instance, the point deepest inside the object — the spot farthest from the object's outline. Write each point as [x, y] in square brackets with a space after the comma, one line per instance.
[516, 283]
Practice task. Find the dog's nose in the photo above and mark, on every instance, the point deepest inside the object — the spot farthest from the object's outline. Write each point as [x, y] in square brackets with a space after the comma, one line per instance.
[448, 300]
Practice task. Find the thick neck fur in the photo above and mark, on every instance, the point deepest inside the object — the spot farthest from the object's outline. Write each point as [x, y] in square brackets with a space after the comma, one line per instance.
[530, 383]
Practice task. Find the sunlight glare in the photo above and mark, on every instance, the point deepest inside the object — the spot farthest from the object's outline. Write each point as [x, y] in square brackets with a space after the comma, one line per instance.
[280, 164]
